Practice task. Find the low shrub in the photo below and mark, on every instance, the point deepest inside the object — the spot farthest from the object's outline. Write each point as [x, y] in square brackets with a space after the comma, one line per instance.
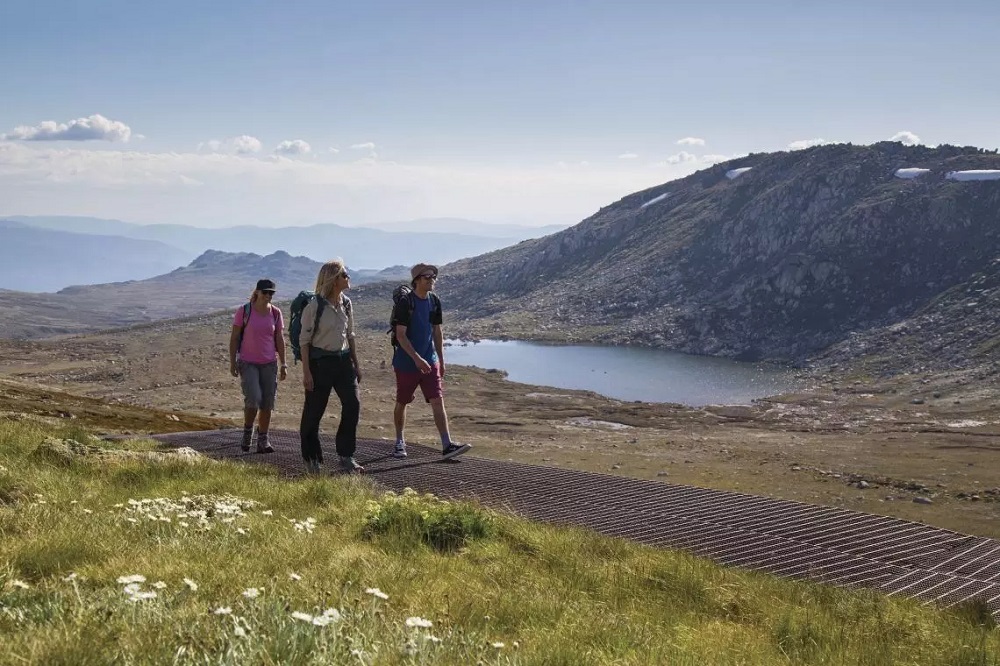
[443, 525]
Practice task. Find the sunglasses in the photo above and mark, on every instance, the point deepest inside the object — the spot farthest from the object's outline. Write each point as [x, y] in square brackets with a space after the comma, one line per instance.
[429, 276]
[267, 293]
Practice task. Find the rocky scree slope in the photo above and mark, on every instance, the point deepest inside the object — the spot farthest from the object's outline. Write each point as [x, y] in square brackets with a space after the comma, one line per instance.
[777, 263]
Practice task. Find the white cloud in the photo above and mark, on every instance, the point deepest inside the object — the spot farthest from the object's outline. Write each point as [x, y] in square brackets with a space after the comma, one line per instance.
[906, 138]
[681, 158]
[92, 128]
[628, 156]
[294, 147]
[715, 159]
[234, 145]
[371, 157]
[691, 141]
[332, 150]
[245, 144]
[802, 144]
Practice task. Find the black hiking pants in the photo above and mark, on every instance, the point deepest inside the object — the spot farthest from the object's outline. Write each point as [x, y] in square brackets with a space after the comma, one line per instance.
[331, 373]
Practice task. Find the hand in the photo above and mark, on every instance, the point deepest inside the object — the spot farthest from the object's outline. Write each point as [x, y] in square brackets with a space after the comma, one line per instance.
[423, 366]
[441, 366]
[357, 373]
[284, 373]
[307, 381]
[234, 369]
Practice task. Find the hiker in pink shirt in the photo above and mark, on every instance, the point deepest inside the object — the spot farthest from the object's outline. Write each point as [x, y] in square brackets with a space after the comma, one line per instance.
[256, 345]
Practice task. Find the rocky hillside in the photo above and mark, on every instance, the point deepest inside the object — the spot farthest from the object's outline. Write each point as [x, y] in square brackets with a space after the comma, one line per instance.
[957, 330]
[775, 262]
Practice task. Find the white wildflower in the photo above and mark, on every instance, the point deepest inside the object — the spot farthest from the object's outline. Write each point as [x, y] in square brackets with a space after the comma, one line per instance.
[240, 530]
[418, 622]
[223, 610]
[132, 588]
[74, 501]
[294, 576]
[160, 585]
[134, 578]
[70, 577]
[193, 586]
[375, 592]
[240, 631]
[20, 584]
[88, 511]
[498, 645]
[305, 617]
[333, 614]
[267, 512]
[251, 593]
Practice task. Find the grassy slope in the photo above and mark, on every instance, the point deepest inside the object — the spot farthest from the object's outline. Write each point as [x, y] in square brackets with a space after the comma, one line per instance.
[552, 596]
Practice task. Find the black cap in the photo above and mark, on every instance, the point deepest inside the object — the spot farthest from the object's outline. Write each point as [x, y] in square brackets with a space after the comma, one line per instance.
[265, 285]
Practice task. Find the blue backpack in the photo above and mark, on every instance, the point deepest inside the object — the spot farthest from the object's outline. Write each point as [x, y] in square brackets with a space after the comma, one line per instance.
[299, 304]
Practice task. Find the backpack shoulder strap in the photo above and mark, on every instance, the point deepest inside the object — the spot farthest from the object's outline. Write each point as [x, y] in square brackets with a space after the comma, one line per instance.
[243, 328]
[320, 304]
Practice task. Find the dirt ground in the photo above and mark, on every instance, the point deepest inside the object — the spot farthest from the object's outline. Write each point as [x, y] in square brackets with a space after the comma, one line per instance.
[861, 445]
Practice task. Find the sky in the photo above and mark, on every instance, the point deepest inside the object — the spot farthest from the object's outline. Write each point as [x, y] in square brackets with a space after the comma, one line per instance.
[530, 112]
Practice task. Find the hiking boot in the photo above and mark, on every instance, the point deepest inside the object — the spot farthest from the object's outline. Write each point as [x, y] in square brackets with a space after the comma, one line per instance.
[313, 467]
[454, 450]
[400, 450]
[263, 445]
[350, 465]
[247, 438]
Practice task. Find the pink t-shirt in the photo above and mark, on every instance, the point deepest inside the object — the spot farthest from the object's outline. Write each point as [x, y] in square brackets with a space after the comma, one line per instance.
[258, 336]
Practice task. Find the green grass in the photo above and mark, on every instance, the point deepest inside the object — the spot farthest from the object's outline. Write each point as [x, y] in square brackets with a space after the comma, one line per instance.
[242, 575]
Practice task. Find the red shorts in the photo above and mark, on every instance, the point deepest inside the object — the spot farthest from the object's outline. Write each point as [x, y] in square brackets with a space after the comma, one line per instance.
[429, 383]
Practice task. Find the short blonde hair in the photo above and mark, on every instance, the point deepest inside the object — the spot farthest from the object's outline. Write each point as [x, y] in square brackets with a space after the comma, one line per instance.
[328, 274]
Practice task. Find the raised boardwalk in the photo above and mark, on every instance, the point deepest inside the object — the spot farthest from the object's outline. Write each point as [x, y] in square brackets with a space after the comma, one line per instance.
[830, 545]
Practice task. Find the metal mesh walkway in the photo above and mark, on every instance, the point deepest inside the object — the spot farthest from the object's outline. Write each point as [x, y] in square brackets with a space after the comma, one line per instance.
[825, 544]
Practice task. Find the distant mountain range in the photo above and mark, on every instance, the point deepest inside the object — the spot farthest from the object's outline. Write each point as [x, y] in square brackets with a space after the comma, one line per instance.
[48, 253]
[770, 256]
[212, 281]
[33, 259]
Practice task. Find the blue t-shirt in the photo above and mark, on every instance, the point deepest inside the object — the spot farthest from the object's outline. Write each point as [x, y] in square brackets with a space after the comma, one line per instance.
[419, 324]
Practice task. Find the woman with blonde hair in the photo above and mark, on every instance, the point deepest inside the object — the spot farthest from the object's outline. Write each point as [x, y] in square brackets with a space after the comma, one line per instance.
[330, 364]
[256, 345]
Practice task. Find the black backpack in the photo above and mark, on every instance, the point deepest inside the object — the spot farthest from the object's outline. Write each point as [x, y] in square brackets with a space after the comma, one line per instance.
[404, 293]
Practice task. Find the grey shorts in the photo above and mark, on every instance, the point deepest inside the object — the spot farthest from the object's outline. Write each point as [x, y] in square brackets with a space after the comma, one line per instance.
[260, 384]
